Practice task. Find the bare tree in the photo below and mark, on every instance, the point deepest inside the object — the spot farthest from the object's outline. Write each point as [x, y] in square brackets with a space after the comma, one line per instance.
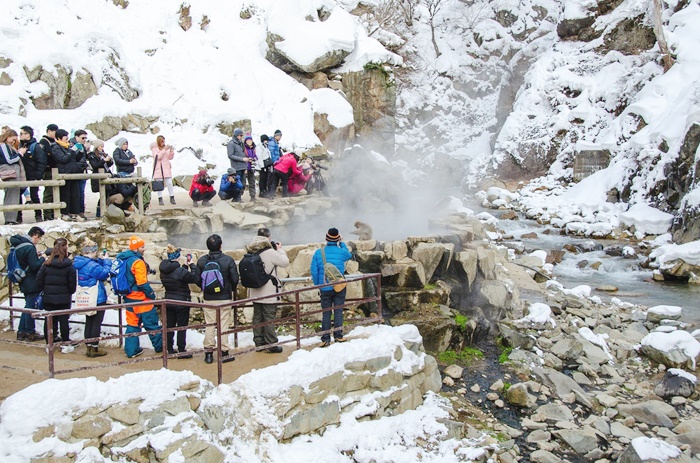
[379, 17]
[659, 33]
[434, 7]
[408, 9]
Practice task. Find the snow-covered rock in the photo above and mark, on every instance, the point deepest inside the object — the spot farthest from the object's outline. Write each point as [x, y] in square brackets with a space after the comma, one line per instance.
[678, 349]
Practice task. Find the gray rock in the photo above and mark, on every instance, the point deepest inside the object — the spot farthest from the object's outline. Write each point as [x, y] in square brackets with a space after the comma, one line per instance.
[517, 395]
[89, 427]
[283, 61]
[539, 435]
[675, 358]
[673, 385]
[312, 418]
[5, 79]
[552, 412]
[618, 429]
[454, 371]
[581, 441]
[563, 385]
[515, 338]
[430, 255]
[637, 452]
[126, 413]
[468, 260]
[581, 378]
[690, 438]
[687, 426]
[607, 401]
[567, 349]
[543, 456]
[652, 412]
[527, 423]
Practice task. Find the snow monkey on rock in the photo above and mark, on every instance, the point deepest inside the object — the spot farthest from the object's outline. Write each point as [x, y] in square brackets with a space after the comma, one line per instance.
[363, 230]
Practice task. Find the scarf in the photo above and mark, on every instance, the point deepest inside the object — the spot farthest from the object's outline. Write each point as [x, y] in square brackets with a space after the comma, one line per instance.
[63, 144]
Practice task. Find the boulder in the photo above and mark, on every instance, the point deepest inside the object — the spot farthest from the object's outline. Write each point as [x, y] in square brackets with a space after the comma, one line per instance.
[664, 312]
[678, 349]
[651, 412]
[454, 371]
[301, 265]
[689, 438]
[5, 79]
[58, 83]
[397, 250]
[398, 301]
[436, 328]
[467, 259]
[554, 412]
[370, 261]
[651, 450]
[562, 385]
[403, 274]
[515, 338]
[567, 349]
[676, 383]
[82, 88]
[518, 395]
[430, 255]
[582, 441]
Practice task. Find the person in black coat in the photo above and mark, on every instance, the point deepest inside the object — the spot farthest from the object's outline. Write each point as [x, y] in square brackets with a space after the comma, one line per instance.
[176, 279]
[124, 158]
[28, 259]
[34, 161]
[98, 159]
[47, 142]
[69, 162]
[57, 279]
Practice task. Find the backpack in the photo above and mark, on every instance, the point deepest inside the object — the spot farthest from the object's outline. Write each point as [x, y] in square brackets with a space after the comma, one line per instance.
[332, 274]
[212, 279]
[251, 270]
[120, 276]
[14, 272]
[32, 147]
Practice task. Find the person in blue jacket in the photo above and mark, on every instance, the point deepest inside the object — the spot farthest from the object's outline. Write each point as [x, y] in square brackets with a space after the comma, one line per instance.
[231, 185]
[93, 270]
[336, 253]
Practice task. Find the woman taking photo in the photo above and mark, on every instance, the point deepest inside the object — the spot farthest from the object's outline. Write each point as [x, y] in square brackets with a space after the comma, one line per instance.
[93, 271]
[162, 155]
[56, 278]
[69, 162]
[11, 170]
[99, 159]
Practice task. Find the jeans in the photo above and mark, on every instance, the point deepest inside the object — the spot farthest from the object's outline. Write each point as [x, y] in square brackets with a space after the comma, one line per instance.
[264, 335]
[82, 195]
[93, 326]
[332, 299]
[27, 324]
[149, 321]
[177, 316]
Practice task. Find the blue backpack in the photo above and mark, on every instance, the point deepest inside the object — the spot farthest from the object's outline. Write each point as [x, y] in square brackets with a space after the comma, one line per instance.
[212, 279]
[120, 276]
[15, 273]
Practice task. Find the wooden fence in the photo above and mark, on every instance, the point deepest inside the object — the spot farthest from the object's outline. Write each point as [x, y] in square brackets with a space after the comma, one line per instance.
[59, 180]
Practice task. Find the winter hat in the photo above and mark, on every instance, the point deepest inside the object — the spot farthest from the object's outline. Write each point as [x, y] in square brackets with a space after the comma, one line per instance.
[277, 132]
[264, 138]
[121, 141]
[333, 235]
[51, 128]
[97, 143]
[135, 242]
[89, 246]
[237, 132]
[247, 137]
[173, 252]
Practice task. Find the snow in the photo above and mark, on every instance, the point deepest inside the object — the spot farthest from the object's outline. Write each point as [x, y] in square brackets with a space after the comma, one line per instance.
[677, 340]
[332, 103]
[683, 374]
[540, 254]
[647, 219]
[667, 254]
[668, 311]
[650, 449]
[538, 314]
[597, 339]
[575, 9]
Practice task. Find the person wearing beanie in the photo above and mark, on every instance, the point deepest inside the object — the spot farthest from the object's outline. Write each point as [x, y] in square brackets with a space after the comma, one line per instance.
[248, 175]
[69, 162]
[145, 314]
[264, 164]
[274, 146]
[47, 142]
[99, 159]
[281, 172]
[336, 253]
[177, 272]
[124, 159]
[93, 271]
[231, 185]
[236, 154]
[34, 161]
[202, 189]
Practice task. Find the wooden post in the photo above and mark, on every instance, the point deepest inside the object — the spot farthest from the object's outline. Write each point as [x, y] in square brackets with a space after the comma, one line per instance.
[103, 194]
[139, 190]
[56, 194]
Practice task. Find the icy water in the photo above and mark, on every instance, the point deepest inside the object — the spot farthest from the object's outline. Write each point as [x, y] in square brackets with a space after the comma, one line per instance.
[634, 283]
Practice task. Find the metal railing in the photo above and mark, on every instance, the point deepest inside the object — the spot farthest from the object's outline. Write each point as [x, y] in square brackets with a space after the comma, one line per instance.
[59, 180]
[291, 297]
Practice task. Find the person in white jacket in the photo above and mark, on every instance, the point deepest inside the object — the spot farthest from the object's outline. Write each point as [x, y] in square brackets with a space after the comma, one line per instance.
[264, 164]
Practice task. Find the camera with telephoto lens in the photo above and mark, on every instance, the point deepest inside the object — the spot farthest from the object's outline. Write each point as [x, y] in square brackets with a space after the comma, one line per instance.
[209, 181]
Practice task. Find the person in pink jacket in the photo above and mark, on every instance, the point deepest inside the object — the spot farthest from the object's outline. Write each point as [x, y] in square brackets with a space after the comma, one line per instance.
[285, 167]
[162, 155]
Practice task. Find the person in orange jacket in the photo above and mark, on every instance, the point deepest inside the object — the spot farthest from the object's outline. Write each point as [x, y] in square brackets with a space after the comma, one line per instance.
[146, 315]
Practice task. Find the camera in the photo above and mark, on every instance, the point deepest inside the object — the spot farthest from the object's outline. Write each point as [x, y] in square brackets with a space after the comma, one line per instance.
[209, 181]
[151, 271]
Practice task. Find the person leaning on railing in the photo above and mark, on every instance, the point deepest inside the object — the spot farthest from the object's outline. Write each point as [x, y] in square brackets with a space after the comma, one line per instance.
[69, 161]
[34, 161]
[11, 169]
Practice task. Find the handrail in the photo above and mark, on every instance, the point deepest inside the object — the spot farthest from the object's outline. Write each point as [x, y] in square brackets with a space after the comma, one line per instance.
[297, 320]
[58, 180]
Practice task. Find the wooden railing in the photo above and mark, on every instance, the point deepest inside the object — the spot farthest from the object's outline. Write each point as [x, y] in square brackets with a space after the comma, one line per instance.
[59, 180]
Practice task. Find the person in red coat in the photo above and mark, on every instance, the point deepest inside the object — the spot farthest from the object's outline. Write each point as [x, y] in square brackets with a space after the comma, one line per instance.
[286, 166]
[298, 182]
[202, 189]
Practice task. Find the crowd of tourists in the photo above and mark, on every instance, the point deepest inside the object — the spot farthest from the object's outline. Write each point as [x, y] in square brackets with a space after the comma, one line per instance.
[53, 278]
[260, 168]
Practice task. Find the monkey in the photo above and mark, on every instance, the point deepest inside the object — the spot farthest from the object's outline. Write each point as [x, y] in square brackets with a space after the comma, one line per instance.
[363, 230]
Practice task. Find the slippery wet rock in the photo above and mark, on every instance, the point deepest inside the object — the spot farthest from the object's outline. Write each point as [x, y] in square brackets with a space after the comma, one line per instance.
[676, 384]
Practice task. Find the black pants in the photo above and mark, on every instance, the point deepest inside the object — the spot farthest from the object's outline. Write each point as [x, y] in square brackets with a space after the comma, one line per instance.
[278, 176]
[197, 196]
[34, 196]
[264, 179]
[61, 320]
[70, 194]
[93, 326]
[176, 316]
[48, 195]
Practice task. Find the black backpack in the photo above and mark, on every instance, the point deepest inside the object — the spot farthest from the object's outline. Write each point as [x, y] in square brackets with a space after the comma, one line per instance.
[251, 270]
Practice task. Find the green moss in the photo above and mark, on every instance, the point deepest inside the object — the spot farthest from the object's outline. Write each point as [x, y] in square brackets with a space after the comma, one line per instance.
[467, 356]
[429, 287]
[388, 77]
[447, 357]
[461, 321]
[503, 358]
[506, 386]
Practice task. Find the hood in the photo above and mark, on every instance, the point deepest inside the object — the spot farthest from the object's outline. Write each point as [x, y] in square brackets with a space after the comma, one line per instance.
[16, 240]
[258, 244]
[80, 261]
[60, 263]
[128, 254]
[168, 266]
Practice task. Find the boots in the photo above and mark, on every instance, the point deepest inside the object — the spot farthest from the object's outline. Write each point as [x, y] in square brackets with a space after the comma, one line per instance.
[93, 351]
[172, 200]
[160, 202]
[194, 203]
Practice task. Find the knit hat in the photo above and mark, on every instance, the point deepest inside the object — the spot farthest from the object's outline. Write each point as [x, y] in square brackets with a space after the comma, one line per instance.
[96, 143]
[121, 141]
[264, 138]
[277, 132]
[248, 137]
[136, 242]
[333, 235]
[173, 252]
[231, 171]
[89, 246]
[237, 131]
